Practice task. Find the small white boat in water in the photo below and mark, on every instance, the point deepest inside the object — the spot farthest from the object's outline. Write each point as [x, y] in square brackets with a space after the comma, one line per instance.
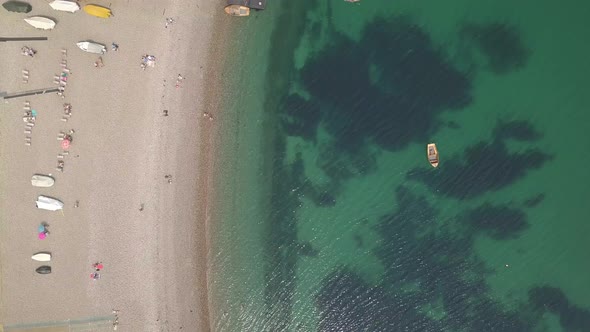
[65, 6]
[42, 257]
[44, 181]
[48, 203]
[41, 22]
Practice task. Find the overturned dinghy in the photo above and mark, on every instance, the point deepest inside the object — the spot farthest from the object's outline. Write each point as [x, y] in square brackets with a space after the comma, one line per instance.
[98, 11]
[48, 203]
[65, 6]
[41, 22]
[43, 181]
[45, 269]
[17, 6]
[42, 257]
[92, 47]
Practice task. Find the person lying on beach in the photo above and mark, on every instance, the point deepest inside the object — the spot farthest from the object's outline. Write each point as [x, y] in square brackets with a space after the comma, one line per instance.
[98, 63]
[28, 51]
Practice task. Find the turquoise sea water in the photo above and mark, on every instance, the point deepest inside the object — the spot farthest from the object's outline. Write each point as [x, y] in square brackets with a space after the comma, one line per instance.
[332, 219]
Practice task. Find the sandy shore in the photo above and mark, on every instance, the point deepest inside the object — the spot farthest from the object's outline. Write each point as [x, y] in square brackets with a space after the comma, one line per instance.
[150, 235]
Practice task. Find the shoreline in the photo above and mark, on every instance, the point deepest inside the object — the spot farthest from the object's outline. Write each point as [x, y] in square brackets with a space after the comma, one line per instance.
[152, 236]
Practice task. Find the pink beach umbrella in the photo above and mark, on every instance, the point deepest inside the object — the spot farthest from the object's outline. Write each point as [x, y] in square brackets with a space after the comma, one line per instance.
[65, 144]
[42, 235]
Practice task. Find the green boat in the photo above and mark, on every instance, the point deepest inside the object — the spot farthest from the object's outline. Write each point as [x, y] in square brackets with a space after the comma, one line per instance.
[17, 6]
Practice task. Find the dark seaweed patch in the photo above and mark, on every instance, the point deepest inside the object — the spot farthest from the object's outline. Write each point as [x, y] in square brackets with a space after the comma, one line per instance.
[300, 117]
[347, 303]
[306, 249]
[517, 130]
[453, 125]
[423, 267]
[387, 89]
[552, 299]
[534, 201]
[497, 221]
[500, 43]
[483, 167]
[341, 165]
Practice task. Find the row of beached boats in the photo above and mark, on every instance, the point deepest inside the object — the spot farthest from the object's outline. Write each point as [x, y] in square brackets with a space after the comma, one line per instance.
[44, 203]
[46, 23]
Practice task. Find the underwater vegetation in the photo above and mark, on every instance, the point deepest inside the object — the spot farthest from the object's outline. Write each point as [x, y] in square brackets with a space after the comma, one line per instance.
[348, 303]
[386, 89]
[571, 317]
[484, 166]
[300, 117]
[517, 130]
[385, 92]
[382, 89]
[424, 268]
[500, 222]
[534, 201]
[500, 43]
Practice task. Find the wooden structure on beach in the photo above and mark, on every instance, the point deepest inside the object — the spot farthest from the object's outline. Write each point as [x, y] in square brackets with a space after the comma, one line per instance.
[252, 4]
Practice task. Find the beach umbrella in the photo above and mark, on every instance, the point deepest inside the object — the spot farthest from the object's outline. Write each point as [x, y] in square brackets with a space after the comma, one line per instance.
[42, 235]
[41, 228]
[41, 22]
[65, 144]
[65, 6]
[98, 11]
[17, 6]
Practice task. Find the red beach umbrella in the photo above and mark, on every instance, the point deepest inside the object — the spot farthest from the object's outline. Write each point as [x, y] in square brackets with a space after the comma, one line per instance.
[42, 235]
[65, 144]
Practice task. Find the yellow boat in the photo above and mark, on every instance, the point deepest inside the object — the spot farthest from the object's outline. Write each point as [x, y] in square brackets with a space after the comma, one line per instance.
[432, 153]
[237, 10]
[98, 11]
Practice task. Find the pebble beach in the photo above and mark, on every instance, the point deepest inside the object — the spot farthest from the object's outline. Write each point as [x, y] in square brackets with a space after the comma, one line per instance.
[134, 178]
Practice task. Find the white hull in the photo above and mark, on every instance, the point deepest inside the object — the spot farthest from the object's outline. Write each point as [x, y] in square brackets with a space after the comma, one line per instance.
[48, 203]
[40, 22]
[42, 257]
[65, 6]
[42, 181]
[92, 47]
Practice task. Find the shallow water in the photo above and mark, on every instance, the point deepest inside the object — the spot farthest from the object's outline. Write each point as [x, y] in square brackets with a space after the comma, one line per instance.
[332, 218]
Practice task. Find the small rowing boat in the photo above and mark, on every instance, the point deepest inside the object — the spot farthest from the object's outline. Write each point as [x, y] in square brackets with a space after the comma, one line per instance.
[41, 22]
[49, 203]
[98, 11]
[44, 181]
[42, 257]
[432, 154]
[65, 6]
[237, 10]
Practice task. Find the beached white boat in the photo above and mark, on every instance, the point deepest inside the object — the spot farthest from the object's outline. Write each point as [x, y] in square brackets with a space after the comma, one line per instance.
[48, 203]
[44, 181]
[42, 257]
[41, 22]
[92, 47]
[432, 153]
[65, 6]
